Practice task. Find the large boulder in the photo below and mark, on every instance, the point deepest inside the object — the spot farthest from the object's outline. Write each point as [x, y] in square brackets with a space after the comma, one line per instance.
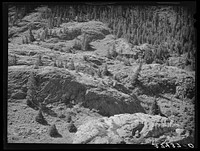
[77, 35]
[84, 32]
[138, 128]
[87, 27]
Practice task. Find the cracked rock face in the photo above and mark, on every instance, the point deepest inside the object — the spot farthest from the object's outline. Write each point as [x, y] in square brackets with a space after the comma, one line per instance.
[138, 128]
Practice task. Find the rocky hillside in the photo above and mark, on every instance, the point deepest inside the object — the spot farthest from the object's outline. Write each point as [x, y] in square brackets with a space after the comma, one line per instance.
[94, 87]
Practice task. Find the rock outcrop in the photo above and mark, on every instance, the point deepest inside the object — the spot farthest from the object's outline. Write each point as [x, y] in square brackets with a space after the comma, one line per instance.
[138, 128]
[55, 84]
[165, 79]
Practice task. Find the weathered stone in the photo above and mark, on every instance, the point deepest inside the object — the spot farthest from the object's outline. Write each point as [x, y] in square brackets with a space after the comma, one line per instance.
[130, 128]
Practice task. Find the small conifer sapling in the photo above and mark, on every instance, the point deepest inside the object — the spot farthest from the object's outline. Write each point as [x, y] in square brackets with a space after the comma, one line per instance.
[40, 118]
[32, 90]
[72, 66]
[105, 71]
[72, 128]
[53, 132]
[155, 110]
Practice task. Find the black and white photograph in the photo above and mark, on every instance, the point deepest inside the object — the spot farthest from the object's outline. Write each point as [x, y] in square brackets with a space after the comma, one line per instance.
[101, 73]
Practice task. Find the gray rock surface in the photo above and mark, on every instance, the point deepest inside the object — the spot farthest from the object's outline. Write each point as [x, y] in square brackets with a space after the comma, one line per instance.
[57, 84]
[138, 128]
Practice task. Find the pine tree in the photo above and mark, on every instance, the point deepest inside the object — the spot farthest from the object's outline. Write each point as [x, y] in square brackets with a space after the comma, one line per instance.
[32, 91]
[108, 54]
[23, 40]
[39, 61]
[26, 40]
[72, 128]
[99, 72]
[15, 60]
[53, 132]
[31, 37]
[54, 64]
[155, 109]
[84, 42]
[105, 71]
[38, 36]
[113, 52]
[40, 118]
[85, 58]
[71, 65]
[69, 118]
[134, 78]
[61, 64]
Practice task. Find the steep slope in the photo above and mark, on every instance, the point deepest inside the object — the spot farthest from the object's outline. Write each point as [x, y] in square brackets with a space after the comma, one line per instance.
[75, 75]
